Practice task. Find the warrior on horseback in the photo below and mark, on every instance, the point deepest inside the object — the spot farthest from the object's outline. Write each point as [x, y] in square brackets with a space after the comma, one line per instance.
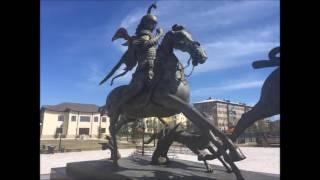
[142, 51]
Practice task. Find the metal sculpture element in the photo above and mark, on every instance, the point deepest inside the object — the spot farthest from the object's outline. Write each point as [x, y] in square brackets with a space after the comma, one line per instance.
[159, 88]
[195, 142]
[269, 102]
[109, 145]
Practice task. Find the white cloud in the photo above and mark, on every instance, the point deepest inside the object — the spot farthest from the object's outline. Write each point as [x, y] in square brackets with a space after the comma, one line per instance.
[243, 85]
[123, 79]
[99, 75]
[236, 12]
[224, 51]
[132, 19]
[275, 117]
[251, 104]
[224, 54]
[119, 46]
[214, 90]
[95, 73]
[238, 48]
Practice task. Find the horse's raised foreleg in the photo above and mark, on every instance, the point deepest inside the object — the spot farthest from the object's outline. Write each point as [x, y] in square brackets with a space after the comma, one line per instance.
[123, 120]
[154, 136]
[258, 112]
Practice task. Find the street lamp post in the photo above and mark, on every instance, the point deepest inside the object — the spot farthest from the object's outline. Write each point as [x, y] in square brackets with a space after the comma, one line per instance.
[60, 136]
[61, 130]
[154, 131]
[142, 126]
[60, 142]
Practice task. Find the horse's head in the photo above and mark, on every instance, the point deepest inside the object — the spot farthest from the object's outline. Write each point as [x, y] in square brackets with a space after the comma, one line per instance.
[182, 40]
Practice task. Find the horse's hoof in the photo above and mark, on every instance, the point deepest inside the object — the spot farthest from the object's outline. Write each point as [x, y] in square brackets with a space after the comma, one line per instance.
[209, 170]
[236, 155]
[115, 166]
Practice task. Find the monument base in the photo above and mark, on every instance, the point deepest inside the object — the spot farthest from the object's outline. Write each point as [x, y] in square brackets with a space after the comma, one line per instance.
[139, 167]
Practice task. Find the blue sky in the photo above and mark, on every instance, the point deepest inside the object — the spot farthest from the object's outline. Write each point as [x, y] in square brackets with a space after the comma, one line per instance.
[76, 50]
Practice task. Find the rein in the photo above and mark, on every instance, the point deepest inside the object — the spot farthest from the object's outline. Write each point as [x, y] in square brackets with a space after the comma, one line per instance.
[188, 64]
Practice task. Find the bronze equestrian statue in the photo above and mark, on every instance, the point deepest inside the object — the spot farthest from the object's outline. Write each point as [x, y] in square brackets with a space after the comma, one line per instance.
[159, 86]
[195, 142]
[269, 102]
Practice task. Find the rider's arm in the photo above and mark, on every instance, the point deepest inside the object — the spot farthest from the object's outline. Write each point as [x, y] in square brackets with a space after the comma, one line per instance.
[152, 42]
[145, 42]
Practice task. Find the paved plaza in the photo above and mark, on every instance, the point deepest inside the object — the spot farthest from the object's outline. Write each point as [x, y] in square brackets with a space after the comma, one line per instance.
[265, 160]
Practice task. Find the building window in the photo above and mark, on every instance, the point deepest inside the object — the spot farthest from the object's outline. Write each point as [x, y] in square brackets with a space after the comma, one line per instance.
[104, 119]
[84, 118]
[59, 131]
[102, 130]
[61, 118]
[96, 119]
[73, 118]
[83, 130]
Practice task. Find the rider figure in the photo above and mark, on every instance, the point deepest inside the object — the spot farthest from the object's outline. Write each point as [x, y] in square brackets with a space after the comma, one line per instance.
[144, 49]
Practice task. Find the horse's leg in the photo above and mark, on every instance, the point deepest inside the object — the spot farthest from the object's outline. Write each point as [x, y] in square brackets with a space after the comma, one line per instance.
[226, 157]
[173, 102]
[154, 136]
[258, 112]
[209, 168]
[124, 120]
[158, 152]
[163, 121]
[268, 105]
[201, 157]
[218, 156]
[112, 131]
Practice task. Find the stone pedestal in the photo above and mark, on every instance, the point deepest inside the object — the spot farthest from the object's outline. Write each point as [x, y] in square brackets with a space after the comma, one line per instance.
[139, 167]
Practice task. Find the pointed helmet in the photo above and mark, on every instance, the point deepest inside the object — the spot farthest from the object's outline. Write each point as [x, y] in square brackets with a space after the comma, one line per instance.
[149, 18]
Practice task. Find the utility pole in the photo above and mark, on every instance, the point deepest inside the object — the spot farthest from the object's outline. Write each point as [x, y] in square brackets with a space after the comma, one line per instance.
[99, 128]
[154, 131]
[228, 115]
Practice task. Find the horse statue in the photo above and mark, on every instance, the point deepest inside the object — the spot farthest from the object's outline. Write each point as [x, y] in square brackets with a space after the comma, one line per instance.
[269, 102]
[169, 94]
